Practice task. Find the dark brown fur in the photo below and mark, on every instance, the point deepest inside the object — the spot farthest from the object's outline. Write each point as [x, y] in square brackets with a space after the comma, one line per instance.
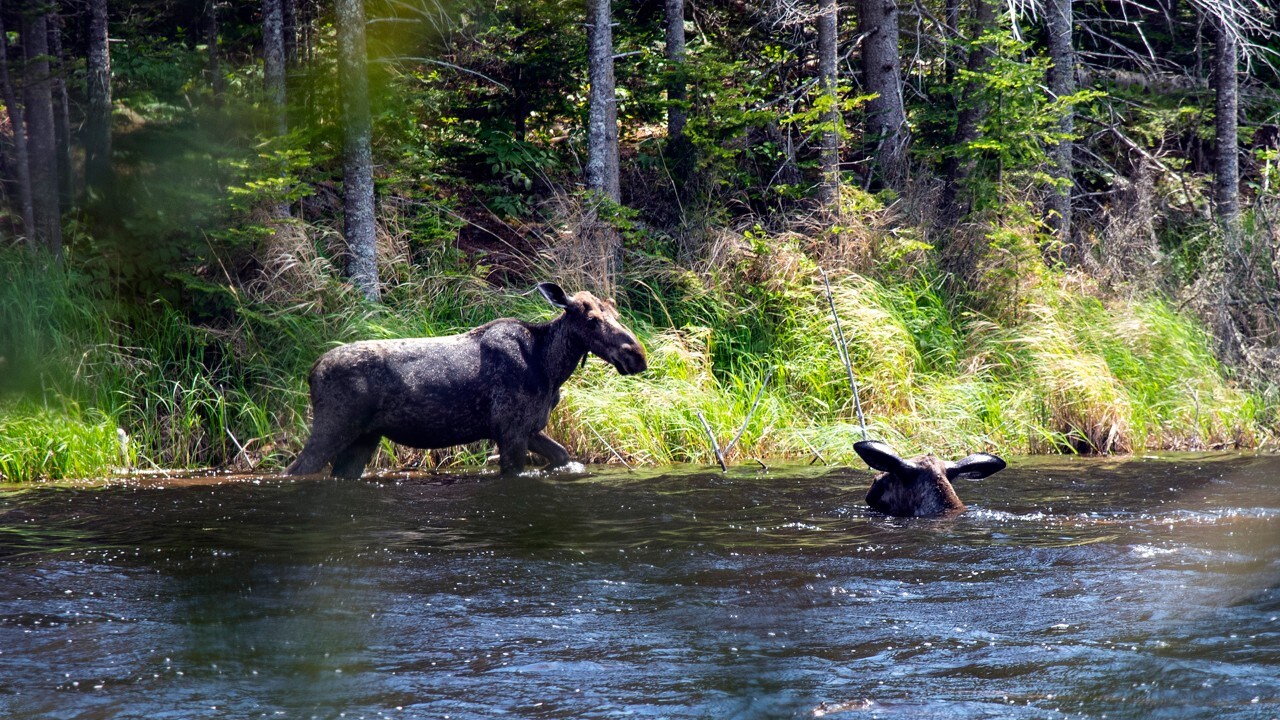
[921, 486]
[496, 382]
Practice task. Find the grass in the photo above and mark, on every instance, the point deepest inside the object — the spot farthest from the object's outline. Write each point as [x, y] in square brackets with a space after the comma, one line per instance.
[1067, 372]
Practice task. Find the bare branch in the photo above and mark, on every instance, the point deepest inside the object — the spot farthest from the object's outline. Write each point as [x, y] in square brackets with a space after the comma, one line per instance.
[750, 413]
[433, 61]
[715, 446]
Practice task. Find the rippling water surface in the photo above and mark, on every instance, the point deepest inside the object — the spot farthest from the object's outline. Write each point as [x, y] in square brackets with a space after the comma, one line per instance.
[1130, 589]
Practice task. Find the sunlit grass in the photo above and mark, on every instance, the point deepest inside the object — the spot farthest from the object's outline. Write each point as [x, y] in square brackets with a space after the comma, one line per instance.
[38, 442]
[1067, 372]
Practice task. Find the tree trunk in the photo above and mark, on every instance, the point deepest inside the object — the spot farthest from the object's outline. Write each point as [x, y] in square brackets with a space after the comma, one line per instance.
[273, 61]
[289, 20]
[951, 16]
[42, 144]
[97, 137]
[358, 224]
[1226, 181]
[676, 114]
[886, 117]
[306, 14]
[21, 162]
[61, 115]
[216, 82]
[956, 170]
[602, 120]
[1062, 82]
[829, 152]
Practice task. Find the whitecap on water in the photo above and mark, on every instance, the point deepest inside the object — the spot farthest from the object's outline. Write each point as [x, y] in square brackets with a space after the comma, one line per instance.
[1149, 551]
[573, 467]
[1003, 516]
[798, 526]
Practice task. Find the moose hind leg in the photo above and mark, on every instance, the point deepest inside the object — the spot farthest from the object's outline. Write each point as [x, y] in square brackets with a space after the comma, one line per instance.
[351, 461]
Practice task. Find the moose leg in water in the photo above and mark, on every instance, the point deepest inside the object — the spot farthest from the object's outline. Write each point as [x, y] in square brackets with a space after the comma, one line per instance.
[350, 462]
[553, 451]
[497, 382]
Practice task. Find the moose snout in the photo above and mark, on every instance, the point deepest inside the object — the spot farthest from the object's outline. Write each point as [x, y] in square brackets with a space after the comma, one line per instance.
[630, 359]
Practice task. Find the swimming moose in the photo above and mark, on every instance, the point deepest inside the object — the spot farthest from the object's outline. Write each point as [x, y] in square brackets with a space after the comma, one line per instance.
[921, 486]
[496, 382]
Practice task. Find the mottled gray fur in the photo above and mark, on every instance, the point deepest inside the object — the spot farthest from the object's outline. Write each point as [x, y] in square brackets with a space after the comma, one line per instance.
[496, 382]
[921, 486]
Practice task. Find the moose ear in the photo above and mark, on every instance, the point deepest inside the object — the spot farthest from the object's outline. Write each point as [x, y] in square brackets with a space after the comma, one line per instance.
[553, 294]
[975, 467]
[879, 456]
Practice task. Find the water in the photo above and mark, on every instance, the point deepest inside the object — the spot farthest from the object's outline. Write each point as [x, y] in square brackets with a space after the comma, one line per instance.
[1070, 588]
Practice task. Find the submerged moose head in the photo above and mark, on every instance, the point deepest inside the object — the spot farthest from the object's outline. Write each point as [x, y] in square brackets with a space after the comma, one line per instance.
[496, 382]
[921, 486]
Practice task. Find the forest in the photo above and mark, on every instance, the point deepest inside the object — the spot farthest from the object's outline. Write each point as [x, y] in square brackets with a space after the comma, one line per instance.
[1044, 226]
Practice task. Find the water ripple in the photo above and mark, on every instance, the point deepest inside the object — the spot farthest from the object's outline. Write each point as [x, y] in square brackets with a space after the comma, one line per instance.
[1069, 588]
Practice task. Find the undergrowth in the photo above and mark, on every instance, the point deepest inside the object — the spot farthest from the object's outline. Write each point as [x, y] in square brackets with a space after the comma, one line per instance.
[87, 388]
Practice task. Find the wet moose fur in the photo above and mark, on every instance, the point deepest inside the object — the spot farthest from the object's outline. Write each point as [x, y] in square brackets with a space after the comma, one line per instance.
[921, 486]
[496, 382]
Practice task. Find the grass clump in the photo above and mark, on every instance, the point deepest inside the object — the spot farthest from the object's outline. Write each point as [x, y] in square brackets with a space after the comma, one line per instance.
[38, 442]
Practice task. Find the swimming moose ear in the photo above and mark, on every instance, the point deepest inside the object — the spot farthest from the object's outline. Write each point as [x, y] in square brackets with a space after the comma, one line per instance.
[880, 456]
[975, 467]
[553, 294]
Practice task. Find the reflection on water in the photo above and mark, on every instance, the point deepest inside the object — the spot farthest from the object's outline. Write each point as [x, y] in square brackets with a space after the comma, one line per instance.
[1071, 588]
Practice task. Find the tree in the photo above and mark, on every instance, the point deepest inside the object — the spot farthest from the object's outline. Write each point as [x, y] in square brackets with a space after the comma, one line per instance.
[1226, 181]
[61, 114]
[1062, 83]
[17, 121]
[273, 61]
[289, 25]
[216, 82]
[42, 145]
[358, 224]
[956, 170]
[675, 50]
[97, 136]
[829, 152]
[886, 116]
[602, 119]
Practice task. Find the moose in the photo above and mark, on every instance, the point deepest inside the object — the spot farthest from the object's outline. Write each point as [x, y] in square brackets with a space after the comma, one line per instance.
[495, 382]
[920, 487]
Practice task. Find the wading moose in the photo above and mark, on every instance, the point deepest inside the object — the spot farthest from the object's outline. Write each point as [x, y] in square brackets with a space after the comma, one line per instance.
[496, 382]
[921, 486]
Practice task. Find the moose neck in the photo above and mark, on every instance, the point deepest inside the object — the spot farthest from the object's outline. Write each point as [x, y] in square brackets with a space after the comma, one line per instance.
[561, 352]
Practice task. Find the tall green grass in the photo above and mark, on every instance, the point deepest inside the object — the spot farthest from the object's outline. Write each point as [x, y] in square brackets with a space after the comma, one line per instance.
[1068, 372]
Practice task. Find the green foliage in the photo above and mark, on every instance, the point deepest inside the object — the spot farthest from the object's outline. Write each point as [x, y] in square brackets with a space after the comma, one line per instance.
[149, 70]
[270, 178]
[1019, 122]
[723, 115]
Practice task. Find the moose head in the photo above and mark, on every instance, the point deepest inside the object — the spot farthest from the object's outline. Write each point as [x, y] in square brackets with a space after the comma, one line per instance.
[594, 324]
[921, 486]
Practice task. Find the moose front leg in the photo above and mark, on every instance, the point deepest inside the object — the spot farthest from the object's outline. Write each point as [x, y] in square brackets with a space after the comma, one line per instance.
[541, 443]
[512, 454]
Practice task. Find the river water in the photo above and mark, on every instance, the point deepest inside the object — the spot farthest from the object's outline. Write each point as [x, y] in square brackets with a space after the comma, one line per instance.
[1142, 588]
